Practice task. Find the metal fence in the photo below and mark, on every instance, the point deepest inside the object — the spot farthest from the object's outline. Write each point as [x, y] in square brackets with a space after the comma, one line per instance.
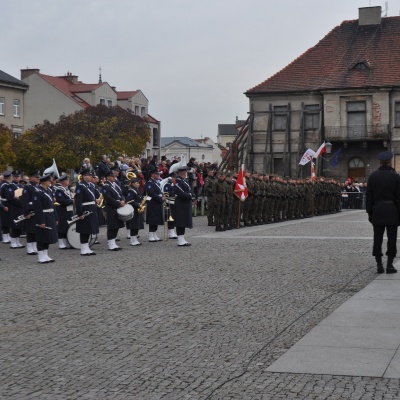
[353, 200]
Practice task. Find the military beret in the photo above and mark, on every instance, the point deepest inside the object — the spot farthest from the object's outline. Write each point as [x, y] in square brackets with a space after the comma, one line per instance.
[385, 156]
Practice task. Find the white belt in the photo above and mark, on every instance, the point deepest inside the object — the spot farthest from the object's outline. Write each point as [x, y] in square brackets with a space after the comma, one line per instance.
[48, 210]
[3, 199]
[89, 203]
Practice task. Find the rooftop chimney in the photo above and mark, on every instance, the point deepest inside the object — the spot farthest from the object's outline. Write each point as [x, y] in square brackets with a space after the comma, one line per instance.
[28, 72]
[369, 15]
[70, 77]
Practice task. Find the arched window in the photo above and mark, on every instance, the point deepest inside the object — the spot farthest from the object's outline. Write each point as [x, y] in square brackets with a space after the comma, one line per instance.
[356, 163]
[356, 170]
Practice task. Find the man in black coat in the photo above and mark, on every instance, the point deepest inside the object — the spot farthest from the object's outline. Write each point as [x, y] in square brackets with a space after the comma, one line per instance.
[114, 200]
[85, 204]
[155, 204]
[183, 206]
[383, 208]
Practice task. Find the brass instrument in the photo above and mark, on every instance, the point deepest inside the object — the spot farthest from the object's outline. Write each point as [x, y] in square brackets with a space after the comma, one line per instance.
[75, 218]
[23, 217]
[167, 208]
[142, 206]
[130, 175]
[100, 204]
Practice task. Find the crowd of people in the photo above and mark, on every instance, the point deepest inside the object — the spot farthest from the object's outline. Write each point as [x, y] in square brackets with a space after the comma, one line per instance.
[126, 193]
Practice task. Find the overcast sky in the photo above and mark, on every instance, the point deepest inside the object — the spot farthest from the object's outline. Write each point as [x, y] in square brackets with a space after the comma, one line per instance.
[193, 59]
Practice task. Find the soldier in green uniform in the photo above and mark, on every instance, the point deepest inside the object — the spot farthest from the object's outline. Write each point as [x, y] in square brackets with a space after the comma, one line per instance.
[219, 193]
[229, 201]
[208, 191]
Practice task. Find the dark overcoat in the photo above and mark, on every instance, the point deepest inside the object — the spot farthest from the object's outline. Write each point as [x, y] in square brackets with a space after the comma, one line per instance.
[85, 201]
[134, 198]
[42, 204]
[112, 197]
[65, 210]
[383, 197]
[14, 205]
[182, 212]
[155, 206]
[5, 215]
[27, 203]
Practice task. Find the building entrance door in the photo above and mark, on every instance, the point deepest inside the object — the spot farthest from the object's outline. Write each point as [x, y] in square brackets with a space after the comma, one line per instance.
[356, 170]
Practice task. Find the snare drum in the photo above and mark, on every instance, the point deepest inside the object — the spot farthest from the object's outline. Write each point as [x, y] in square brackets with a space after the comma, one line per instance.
[125, 213]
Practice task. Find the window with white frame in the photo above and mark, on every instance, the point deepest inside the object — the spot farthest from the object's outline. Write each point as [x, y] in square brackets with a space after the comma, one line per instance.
[2, 105]
[109, 103]
[16, 108]
[143, 111]
[102, 101]
[136, 110]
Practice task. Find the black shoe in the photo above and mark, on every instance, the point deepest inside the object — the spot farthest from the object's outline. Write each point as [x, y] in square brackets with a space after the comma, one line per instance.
[186, 244]
[391, 270]
[32, 254]
[115, 249]
[86, 254]
[218, 228]
[380, 269]
[211, 224]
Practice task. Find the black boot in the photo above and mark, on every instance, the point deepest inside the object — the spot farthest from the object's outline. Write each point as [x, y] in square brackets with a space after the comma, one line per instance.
[379, 265]
[389, 268]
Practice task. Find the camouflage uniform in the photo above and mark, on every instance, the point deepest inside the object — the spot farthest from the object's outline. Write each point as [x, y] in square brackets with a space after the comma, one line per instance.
[219, 193]
[208, 191]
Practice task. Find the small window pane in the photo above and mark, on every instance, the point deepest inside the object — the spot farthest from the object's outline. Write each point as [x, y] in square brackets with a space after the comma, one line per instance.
[16, 108]
[280, 118]
[2, 106]
[354, 106]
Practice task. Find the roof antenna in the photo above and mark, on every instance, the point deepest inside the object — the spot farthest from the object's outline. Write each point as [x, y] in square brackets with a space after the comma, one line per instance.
[386, 9]
[100, 81]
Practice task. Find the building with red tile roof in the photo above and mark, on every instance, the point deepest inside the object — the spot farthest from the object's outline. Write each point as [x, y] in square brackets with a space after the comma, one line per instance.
[345, 90]
[49, 97]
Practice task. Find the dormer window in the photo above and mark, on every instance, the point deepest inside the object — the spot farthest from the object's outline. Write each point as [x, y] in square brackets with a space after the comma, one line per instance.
[362, 65]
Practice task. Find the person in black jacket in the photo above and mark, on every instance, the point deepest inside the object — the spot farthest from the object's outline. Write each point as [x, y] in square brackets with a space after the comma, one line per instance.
[85, 204]
[113, 200]
[134, 198]
[155, 205]
[46, 219]
[183, 206]
[383, 208]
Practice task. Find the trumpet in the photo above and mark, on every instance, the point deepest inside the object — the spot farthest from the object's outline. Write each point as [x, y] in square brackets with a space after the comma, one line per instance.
[75, 218]
[23, 217]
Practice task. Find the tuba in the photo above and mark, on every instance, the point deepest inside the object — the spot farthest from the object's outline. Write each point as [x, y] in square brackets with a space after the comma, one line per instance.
[142, 206]
[176, 166]
[52, 170]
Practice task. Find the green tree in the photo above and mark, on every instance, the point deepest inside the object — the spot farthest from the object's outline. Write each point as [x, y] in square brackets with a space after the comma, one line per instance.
[88, 133]
[7, 154]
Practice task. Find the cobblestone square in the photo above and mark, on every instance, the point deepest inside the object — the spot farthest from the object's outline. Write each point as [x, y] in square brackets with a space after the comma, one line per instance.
[201, 322]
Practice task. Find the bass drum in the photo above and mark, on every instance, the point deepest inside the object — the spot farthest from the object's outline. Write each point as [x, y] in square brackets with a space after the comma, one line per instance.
[74, 240]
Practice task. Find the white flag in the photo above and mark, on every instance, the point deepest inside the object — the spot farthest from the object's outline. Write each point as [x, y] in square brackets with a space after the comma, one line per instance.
[307, 156]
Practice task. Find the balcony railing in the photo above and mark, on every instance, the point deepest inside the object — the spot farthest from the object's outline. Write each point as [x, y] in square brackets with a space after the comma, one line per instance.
[357, 132]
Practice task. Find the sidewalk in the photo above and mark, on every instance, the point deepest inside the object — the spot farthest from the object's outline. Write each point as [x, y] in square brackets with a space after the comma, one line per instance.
[360, 338]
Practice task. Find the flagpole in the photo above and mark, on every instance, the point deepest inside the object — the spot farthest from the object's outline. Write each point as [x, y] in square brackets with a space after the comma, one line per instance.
[238, 225]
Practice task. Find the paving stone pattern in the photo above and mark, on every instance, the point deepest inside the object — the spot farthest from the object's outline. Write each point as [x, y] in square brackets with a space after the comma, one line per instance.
[201, 322]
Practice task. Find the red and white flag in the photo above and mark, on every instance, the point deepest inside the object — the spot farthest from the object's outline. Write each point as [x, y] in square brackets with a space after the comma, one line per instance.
[241, 190]
[321, 150]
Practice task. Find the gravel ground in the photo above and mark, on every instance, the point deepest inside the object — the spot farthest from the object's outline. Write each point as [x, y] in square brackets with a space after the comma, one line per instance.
[201, 322]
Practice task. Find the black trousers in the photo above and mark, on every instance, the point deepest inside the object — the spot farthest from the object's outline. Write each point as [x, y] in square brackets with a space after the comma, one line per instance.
[112, 234]
[42, 246]
[180, 231]
[391, 231]
[84, 238]
[134, 232]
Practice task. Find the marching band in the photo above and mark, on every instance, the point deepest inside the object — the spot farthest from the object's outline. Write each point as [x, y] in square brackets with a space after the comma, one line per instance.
[49, 211]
